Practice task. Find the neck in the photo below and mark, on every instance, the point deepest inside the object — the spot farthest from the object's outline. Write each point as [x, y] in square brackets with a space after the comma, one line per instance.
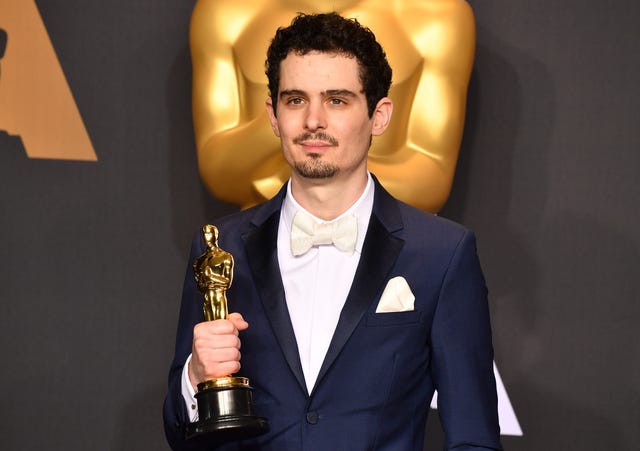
[327, 199]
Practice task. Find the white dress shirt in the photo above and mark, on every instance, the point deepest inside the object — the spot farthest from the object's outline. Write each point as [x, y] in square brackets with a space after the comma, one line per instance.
[316, 285]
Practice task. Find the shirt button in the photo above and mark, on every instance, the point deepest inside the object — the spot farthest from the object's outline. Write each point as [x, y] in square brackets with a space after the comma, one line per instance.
[312, 417]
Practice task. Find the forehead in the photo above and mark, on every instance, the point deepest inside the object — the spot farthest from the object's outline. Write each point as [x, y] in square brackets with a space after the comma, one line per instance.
[320, 70]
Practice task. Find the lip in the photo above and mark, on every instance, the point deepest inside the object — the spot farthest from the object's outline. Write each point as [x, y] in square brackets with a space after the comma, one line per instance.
[315, 145]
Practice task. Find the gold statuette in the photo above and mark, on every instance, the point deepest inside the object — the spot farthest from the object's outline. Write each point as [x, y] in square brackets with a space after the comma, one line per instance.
[213, 271]
[224, 404]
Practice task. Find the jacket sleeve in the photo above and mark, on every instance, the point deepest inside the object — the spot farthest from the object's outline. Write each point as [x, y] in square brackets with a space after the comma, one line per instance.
[462, 365]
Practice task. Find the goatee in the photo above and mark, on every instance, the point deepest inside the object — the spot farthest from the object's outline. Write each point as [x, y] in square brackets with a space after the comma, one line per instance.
[315, 168]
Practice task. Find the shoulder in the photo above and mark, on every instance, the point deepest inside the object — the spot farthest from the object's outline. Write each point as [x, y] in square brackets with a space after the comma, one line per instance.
[450, 25]
[222, 10]
[454, 11]
[410, 222]
[235, 223]
[430, 226]
[234, 226]
[230, 230]
[434, 241]
[221, 19]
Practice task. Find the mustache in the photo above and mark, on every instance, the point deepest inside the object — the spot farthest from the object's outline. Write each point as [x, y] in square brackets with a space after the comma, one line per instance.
[318, 136]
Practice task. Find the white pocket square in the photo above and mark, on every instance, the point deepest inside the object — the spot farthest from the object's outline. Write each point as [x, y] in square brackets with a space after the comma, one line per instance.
[396, 297]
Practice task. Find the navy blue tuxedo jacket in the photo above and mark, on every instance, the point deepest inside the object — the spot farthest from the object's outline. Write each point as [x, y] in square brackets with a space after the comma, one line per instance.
[381, 369]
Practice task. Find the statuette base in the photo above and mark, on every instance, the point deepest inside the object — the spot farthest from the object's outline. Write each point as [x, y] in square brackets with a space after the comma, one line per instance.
[225, 411]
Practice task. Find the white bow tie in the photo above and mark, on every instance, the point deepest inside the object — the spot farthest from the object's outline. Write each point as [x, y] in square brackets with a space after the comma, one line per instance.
[306, 232]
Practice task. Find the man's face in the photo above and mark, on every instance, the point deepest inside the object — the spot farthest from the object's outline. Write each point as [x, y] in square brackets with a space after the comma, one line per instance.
[322, 117]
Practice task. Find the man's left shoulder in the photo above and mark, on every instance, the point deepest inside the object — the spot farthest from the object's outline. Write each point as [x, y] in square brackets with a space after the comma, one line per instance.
[419, 221]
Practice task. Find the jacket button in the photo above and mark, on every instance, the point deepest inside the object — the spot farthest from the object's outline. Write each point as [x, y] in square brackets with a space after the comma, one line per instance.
[312, 417]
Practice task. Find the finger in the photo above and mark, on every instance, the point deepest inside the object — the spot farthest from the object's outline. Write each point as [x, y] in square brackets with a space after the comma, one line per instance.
[204, 342]
[206, 357]
[199, 372]
[238, 321]
[217, 327]
[221, 370]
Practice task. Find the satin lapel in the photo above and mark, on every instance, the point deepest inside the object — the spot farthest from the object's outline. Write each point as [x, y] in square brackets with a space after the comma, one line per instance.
[379, 253]
[263, 260]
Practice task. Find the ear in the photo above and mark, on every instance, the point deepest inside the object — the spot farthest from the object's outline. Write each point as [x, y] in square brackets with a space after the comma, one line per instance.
[272, 117]
[382, 116]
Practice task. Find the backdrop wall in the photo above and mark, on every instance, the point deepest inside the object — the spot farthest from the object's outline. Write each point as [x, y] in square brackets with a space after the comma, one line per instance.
[93, 254]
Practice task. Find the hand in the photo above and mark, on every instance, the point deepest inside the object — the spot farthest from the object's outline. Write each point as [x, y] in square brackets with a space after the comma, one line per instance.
[216, 349]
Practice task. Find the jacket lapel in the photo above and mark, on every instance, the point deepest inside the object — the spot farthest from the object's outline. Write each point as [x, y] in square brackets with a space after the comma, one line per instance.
[379, 253]
[261, 245]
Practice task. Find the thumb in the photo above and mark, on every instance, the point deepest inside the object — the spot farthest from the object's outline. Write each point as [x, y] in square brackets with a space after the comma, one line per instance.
[238, 321]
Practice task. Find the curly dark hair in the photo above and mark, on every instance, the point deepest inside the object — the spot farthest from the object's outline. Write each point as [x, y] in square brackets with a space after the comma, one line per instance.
[3, 42]
[331, 32]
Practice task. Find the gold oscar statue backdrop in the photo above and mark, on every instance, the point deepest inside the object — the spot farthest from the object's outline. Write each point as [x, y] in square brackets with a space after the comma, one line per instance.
[430, 46]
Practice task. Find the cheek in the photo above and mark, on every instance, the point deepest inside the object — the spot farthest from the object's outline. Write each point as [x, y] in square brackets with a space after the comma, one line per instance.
[359, 137]
[286, 128]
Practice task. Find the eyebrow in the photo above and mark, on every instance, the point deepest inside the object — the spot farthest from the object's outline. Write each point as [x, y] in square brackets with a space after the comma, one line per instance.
[291, 92]
[327, 93]
[339, 92]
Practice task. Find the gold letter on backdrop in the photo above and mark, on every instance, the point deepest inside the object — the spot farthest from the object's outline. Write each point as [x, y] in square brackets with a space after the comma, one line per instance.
[430, 46]
[35, 100]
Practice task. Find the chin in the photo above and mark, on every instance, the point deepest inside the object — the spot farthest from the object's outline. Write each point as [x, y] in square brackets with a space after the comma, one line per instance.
[315, 169]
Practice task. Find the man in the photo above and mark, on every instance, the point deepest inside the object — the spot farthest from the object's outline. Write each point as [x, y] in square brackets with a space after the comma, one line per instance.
[344, 341]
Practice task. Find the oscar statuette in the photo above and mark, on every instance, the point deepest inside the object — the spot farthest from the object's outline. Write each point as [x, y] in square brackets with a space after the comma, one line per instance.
[224, 404]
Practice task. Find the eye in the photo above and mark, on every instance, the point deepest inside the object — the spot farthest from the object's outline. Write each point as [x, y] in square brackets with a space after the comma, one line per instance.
[336, 101]
[295, 101]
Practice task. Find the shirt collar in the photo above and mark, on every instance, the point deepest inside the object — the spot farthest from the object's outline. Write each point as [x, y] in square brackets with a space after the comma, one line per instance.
[361, 209]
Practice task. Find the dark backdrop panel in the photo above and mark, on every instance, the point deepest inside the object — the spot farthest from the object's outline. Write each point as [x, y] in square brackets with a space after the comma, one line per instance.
[546, 178]
[93, 254]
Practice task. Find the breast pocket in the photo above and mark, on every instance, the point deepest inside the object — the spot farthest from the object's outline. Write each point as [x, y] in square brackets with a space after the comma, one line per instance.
[392, 319]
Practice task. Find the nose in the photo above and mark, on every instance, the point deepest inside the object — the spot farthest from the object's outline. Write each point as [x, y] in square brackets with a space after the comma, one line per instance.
[315, 118]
